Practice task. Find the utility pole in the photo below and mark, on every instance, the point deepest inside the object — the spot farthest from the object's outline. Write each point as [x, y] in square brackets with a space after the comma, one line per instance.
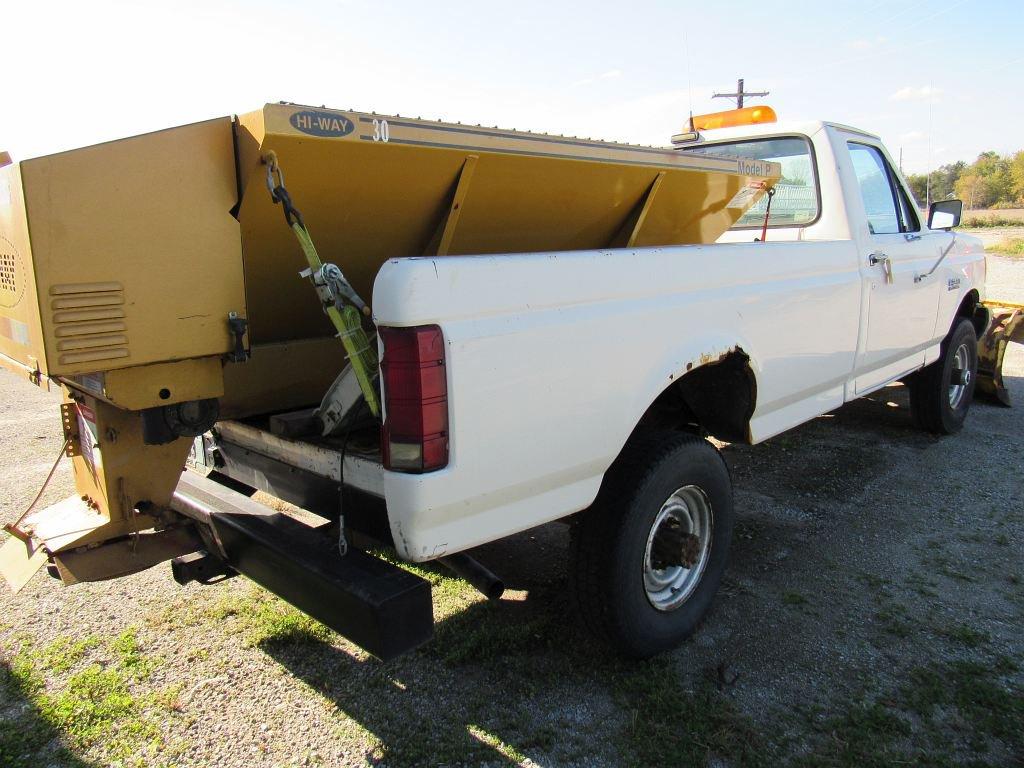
[740, 93]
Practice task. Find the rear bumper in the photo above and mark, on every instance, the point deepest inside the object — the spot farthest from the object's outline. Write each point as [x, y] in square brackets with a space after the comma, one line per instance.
[383, 609]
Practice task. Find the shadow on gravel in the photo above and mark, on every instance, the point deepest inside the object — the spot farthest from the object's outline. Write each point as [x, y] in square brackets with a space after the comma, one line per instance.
[27, 738]
[517, 679]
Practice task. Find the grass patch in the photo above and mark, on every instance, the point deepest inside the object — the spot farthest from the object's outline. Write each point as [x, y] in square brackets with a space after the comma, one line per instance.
[988, 222]
[862, 736]
[790, 597]
[265, 619]
[27, 739]
[64, 653]
[944, 715]
[1011, 246]
[96, 704]
[493, 631]
[971, 694]
[922, 586]
[965, 635]
[130, 657]
[891, 617]
[944, 565]
[77, 695]
[669, 726]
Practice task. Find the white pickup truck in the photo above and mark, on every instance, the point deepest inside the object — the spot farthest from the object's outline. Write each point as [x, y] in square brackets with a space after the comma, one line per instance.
[585, 383]
[517, 388]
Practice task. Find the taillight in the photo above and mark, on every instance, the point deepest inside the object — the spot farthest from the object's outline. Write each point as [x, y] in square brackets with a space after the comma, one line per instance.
[415, 434]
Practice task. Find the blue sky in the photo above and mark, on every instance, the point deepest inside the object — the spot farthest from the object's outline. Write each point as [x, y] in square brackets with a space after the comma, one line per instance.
[82, 72]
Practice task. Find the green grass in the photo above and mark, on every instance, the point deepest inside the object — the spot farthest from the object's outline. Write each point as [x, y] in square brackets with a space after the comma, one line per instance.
[988, 222]
[264, 619]
[962, 713]
[96, 704]
[968, 693]
[943, 564]
[131, 659]
[667, 725]
[965, 635]
[892, 618]
[26, 736]
[79, 697]
[865, 735]
[64, 653]
[1012, 246]
[790, 597]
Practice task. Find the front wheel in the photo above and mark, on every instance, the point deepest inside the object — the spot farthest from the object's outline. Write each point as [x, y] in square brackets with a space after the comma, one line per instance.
[941, 393]
[649, 555]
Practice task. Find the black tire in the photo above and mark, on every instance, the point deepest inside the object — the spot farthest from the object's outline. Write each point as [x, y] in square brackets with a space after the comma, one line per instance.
[931, 389]
[610, 543]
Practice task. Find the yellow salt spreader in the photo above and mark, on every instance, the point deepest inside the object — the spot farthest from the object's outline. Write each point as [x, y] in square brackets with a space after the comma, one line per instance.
[152, 283]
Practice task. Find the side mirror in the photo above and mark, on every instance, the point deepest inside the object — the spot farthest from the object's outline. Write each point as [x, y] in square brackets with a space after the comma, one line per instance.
[945, 214]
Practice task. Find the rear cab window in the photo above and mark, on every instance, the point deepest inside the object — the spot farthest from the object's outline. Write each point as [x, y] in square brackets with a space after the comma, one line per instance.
[797, 200]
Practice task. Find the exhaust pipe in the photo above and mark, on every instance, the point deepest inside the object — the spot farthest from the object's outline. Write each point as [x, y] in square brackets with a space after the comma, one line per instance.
[470, 569]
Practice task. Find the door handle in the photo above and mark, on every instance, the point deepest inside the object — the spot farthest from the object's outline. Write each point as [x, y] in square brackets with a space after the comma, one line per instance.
[880, 258]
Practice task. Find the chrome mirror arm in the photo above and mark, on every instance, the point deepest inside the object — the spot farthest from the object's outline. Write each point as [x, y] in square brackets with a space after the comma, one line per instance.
[919, 278]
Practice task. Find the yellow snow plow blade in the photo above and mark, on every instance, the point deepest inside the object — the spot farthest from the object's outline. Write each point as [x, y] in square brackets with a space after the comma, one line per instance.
[1006, 325]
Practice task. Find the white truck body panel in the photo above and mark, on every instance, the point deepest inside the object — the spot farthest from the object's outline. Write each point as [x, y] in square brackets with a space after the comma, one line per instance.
[552, 359]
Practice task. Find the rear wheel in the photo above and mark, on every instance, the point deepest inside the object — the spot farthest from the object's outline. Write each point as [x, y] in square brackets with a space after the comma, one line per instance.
[941, 393]
[649, 555]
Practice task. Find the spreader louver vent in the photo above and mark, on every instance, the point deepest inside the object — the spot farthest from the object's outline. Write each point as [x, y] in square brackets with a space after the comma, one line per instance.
[88, 321]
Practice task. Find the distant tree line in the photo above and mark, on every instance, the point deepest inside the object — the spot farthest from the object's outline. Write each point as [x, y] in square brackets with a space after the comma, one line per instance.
[991, 181]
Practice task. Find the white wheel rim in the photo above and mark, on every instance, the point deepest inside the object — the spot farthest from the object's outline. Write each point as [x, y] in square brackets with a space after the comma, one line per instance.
[687, 516]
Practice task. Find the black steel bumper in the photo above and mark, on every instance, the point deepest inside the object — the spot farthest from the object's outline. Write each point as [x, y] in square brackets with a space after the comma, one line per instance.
[383, 609]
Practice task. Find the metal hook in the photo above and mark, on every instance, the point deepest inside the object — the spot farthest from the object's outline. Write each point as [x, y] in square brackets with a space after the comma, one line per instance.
[270, 160]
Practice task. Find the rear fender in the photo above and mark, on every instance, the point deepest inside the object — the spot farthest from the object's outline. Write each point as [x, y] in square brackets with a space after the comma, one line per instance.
[693, 355]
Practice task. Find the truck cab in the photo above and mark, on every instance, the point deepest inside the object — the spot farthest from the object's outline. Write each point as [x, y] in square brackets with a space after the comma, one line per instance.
[866, 200]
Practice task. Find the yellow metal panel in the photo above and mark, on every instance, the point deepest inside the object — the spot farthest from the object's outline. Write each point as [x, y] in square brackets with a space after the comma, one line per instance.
[115, 469]
[136, 254]
[148, 386]
[366, 200]
[692, 208]
[20, 561]
[21, 335]
[281, 376]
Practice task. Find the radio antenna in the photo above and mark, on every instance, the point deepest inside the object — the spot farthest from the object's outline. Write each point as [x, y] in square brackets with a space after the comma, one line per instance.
[689, 78]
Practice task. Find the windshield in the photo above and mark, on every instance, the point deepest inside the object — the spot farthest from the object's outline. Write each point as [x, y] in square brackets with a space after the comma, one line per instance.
[795, 203]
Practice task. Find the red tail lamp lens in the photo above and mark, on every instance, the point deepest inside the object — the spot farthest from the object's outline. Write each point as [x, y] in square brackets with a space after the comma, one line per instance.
[415, 435]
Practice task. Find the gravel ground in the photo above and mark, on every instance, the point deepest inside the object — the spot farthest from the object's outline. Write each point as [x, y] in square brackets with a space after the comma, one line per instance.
[990, 236]
[867, 555]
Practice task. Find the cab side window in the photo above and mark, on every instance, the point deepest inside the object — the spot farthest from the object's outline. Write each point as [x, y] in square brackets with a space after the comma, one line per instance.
[888, 209]
[908, 211]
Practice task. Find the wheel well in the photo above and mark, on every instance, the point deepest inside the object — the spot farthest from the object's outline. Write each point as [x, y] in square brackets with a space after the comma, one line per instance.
[717, 398]
[974, 311]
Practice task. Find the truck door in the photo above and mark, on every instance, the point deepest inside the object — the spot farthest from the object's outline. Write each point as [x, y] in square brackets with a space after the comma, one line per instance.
[899, 312]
